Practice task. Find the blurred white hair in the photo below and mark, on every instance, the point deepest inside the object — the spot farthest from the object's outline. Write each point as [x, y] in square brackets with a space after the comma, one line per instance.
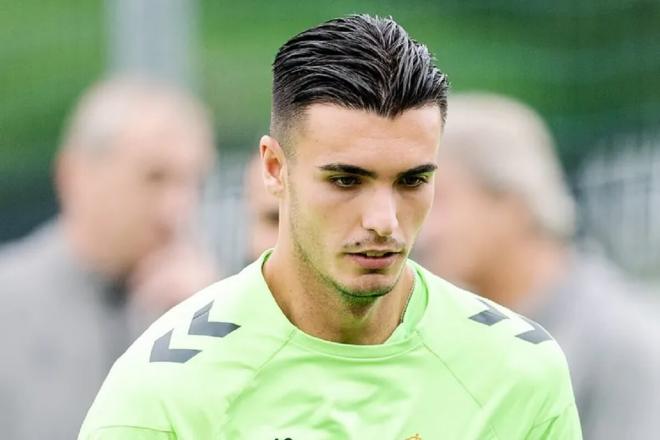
[110, 105]
[508, 148]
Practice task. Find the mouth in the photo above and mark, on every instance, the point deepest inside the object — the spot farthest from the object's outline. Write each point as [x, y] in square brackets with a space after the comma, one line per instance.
[374, 259]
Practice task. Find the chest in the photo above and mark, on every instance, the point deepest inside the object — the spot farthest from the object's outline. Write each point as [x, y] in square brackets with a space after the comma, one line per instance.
[408, 397]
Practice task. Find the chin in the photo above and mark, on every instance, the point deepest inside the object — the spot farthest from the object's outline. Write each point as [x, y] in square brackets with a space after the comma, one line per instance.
[372, 284]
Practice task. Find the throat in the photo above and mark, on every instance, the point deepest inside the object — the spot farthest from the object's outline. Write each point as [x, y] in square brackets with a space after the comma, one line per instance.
[326, 313]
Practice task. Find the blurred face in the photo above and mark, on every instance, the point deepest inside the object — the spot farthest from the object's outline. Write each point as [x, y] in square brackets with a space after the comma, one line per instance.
[263, 211]
[468, 227]
[358, 189]
[140, 193]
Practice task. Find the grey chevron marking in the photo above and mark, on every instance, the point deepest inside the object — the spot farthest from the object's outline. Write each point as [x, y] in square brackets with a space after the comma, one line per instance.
[535, 336]
[489, 316]
[161, 351]
[200, 324]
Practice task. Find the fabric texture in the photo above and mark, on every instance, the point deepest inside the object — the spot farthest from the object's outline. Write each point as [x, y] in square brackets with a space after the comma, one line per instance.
[227, 364]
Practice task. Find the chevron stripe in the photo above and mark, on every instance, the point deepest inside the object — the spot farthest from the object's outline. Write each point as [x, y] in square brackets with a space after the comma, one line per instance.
[161, 351]
[492, 316]
[199, 326]
[535, 336]
[489, 316]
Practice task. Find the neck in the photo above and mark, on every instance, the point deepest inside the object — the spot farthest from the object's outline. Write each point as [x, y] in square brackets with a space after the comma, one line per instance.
[321, 311]
[524, 270]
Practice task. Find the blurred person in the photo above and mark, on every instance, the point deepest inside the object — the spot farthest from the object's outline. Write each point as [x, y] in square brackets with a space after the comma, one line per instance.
[335, 333]
[73, 293]
[502, 225]
[262, 211]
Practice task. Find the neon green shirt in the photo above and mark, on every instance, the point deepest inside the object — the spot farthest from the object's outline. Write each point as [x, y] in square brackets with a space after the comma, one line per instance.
[227, 364]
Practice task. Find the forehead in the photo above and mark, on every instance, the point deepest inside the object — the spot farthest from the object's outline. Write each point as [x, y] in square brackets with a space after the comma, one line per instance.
[329, 133]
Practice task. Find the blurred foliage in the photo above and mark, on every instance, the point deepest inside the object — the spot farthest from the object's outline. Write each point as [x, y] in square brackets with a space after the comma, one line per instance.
[591, 68]
[49, 52]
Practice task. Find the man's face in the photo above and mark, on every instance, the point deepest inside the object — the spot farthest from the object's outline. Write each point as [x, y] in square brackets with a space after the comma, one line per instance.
[142, 192]
[358, 189]
[468, 227]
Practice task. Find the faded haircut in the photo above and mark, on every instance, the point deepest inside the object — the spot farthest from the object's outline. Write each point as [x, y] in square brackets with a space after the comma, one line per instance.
[359, 62]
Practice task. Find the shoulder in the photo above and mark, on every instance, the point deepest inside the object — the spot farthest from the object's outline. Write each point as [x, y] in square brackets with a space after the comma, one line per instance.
[220, 335]
[216, 325]
[492, 350]
[32, 261]
[30, 269]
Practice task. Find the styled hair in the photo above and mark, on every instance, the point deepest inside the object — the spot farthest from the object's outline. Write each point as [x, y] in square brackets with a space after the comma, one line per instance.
[359, 62]
[508, 149]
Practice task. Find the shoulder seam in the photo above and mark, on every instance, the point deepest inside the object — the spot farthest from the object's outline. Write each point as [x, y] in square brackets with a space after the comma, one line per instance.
[459, 381]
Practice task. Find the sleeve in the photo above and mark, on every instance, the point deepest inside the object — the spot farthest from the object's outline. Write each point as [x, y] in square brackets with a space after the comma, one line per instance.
[127, 433]
[129, 401]
[565, 426]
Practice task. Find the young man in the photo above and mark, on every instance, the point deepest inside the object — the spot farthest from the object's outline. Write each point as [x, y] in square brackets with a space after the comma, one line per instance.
[335, 334]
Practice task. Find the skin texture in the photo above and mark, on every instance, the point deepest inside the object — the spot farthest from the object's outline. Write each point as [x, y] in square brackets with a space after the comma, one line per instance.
[330, 212]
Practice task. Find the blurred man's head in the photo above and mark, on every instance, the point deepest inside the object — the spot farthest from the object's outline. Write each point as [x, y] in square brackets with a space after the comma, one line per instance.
[263, 211]
[499, 186]
[130, 170]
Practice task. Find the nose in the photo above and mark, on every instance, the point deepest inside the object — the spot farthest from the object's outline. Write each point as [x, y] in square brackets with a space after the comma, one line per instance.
[380, 213]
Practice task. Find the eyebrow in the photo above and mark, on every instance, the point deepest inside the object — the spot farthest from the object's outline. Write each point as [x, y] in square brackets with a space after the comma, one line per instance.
[358, 171]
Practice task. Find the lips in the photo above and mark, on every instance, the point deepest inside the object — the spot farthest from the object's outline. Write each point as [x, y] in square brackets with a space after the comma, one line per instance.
[374, 259]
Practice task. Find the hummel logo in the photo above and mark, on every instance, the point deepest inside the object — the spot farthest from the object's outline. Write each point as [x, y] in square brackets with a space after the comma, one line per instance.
[200, 326]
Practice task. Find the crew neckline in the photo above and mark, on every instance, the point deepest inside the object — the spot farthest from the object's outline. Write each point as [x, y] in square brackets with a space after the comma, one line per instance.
[404, 337]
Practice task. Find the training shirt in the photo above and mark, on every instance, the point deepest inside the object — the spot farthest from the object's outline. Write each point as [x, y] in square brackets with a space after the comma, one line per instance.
[227, 364]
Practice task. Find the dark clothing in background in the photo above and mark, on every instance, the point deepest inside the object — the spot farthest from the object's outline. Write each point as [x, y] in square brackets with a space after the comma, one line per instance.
[61, 328]
[612, 344]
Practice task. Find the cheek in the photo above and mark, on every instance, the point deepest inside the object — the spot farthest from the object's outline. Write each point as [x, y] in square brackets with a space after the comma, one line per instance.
[319, 211]
[414, 211]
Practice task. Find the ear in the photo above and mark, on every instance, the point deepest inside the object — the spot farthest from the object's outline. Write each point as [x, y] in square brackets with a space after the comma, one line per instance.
[273, 165]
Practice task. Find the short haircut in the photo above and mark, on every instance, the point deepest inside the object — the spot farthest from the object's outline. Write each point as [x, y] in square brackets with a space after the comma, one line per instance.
[358, 62]
[508, 149]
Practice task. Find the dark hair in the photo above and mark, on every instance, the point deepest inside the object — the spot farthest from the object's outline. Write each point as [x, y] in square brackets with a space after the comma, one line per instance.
[358, 62]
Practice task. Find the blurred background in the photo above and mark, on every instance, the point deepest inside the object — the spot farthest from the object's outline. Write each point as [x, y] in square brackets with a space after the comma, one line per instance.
[591, 68]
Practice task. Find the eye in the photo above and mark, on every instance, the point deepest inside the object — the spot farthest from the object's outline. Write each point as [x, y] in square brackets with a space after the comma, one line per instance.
[345, 181]
[413, 181]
